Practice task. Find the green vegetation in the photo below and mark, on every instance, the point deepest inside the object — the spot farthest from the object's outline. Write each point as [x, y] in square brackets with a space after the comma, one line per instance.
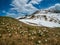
[14, 32]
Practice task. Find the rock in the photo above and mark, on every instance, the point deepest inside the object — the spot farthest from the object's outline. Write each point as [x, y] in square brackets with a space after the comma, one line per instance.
[3, 23]
[46, 40]
[10, 34]
[15, 32]
[39, 41]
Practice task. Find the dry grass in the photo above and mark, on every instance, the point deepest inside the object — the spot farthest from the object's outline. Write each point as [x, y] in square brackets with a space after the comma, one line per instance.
[13, 32]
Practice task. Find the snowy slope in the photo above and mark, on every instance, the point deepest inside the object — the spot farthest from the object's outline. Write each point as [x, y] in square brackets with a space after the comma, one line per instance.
[43, 18]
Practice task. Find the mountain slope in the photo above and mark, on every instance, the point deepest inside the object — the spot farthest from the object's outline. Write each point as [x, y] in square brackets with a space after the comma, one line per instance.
[14, 32]
[43, 18]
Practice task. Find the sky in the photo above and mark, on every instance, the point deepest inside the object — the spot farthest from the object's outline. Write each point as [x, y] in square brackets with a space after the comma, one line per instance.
[16, 8]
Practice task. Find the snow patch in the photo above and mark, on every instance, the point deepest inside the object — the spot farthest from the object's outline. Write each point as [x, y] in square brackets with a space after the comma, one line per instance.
[39, 22]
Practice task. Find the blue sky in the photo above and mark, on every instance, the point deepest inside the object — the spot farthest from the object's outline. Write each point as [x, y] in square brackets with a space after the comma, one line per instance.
[47, 3]
[13, 7]
[4, 6]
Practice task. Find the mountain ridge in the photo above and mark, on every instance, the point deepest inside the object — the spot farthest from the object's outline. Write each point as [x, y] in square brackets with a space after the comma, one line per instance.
[43, 16]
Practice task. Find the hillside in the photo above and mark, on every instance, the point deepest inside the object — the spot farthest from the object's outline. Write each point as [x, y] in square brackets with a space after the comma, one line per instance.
[14, 32]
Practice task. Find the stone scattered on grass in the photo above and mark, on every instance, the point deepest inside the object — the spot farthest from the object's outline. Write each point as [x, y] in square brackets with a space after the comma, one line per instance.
[9, 31]
[20, 32]
[10, 34]
[40, 33]
[46, 40]
[39, 41]
[45, 30]
[15, 32]
[29, 34]
[3, 23]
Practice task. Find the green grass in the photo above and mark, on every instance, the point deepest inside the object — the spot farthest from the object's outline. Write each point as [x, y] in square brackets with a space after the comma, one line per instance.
[14, 32]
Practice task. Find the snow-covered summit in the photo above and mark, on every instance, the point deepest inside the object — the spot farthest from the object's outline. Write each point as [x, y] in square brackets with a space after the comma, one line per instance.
[42, 18]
